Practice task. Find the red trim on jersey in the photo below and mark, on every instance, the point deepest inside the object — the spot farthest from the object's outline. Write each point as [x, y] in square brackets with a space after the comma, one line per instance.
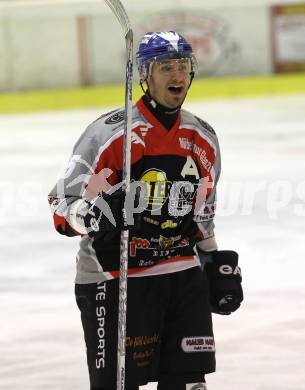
[59, 222]
[112, 158]
[61, 225]
[133, 271]
[154, 121]
[160, 141]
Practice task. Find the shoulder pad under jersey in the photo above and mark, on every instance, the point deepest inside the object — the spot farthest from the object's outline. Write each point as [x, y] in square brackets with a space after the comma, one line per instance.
[204, 124]
[107, 125]
[190, 119]
[113, 117]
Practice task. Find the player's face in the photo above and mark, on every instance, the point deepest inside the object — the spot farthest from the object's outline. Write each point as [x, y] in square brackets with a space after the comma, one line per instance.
[169, 81]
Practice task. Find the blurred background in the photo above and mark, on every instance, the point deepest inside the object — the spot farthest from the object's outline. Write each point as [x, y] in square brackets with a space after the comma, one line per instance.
[65, 43]
[58, 54]
[62, 64]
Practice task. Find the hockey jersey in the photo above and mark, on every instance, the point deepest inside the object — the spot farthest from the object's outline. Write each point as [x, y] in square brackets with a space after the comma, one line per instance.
[180, 168]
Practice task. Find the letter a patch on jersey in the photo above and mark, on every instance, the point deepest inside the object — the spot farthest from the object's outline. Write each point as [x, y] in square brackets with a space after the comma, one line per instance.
[190, 168]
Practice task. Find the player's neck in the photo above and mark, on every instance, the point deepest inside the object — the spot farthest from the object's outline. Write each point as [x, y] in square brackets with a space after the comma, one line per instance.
[166, 116]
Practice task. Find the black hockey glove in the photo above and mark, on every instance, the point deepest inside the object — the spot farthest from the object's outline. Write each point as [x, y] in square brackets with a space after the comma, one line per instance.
[225, 279]
[105, 215]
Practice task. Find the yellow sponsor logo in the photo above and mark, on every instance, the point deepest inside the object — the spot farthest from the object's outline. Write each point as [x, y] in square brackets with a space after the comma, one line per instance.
[169, 224]
[157, 188]
[166, 242]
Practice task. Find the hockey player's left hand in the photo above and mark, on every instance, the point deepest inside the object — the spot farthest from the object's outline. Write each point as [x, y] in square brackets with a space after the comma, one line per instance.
[105, 215]
[224, 276]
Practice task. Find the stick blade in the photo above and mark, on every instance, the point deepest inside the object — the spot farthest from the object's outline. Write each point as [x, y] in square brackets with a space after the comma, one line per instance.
[120, 13]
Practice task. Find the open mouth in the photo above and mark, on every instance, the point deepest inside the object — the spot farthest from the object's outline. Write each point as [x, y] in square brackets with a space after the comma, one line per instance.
[175, 89]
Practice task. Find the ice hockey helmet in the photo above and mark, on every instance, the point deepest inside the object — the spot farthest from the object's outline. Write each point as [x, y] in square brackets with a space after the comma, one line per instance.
[161, 46]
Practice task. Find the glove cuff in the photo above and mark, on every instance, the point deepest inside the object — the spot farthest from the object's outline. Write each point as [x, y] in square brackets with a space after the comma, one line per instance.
[225, 257]
[76, 214]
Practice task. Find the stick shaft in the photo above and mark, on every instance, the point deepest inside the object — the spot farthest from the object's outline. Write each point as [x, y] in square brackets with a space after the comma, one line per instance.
[123, 19]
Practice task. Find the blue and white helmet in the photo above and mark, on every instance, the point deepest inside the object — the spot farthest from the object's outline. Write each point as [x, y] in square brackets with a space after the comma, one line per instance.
[158, 46]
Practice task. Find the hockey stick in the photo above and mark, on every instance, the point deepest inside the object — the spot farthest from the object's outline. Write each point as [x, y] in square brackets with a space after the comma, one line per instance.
[120, 13]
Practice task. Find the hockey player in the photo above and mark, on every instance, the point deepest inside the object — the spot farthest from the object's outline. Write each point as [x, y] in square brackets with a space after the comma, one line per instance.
[176, 275]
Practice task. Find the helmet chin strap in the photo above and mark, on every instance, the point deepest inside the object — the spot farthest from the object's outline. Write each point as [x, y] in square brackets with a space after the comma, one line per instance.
[154, 103]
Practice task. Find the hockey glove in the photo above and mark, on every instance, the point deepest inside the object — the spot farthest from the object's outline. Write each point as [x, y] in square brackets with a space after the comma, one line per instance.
[105, 215]
[225, 279]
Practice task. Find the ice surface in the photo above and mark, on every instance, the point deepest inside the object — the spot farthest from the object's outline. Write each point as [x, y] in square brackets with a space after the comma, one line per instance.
[261, 214]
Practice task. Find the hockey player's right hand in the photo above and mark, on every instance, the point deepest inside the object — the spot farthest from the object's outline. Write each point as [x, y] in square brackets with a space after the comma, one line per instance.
[105, 215]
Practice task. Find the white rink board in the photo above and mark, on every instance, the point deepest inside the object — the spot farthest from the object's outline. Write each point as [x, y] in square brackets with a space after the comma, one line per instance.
[261, 347]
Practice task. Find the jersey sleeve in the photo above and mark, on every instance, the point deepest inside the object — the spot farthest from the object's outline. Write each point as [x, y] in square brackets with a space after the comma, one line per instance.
[205, 206]
[71, 185]
[91, 169]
